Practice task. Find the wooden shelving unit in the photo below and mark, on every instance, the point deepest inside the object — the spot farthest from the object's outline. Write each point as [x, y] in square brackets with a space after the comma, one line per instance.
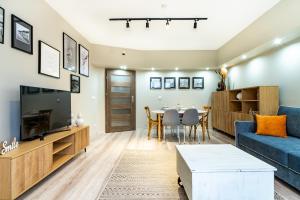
[226, 108]
[34, 160]
[59, 160]
[60, 146]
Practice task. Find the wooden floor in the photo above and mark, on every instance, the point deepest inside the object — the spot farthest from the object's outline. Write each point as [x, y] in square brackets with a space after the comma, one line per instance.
[85, 176]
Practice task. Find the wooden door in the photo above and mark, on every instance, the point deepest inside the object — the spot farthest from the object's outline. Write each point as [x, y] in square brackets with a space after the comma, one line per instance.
[120, 100]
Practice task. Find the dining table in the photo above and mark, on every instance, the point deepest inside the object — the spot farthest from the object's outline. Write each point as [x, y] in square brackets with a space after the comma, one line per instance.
[160, 114]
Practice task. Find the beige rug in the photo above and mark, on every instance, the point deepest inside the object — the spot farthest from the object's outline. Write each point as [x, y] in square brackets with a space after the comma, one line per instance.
[146, 175]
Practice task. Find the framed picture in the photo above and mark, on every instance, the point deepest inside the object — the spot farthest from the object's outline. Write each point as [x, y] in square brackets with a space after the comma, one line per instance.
[49, 60]
[84, 61]
[198, 83]
[155, 83]
[21, 35]
[75, 84]
[184, 83]
[2, 20]
[170, 83]
[69, 53]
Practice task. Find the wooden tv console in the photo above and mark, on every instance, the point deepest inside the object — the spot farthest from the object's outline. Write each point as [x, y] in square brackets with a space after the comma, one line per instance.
[32, 161]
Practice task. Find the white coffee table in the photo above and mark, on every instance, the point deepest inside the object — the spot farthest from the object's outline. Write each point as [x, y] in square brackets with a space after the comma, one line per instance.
[222, 171]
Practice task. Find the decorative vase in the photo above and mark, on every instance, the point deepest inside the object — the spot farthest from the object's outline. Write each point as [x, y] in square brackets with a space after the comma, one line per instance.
[79, 120]
[239, 96]
[73, 120]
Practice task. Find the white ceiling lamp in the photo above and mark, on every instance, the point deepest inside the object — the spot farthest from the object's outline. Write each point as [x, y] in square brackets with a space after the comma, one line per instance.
[152, 69]
[123, 67]
[225, 65]
[244, 57]
[176, 68]
[277, 41]
[207, 68]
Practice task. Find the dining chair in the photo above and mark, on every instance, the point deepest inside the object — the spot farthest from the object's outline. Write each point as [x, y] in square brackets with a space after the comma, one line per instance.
[151, 122]
[171, 119]
[204, 122]
[190, 118]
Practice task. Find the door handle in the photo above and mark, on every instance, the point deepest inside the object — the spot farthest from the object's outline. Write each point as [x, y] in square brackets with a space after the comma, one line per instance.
[132, 99]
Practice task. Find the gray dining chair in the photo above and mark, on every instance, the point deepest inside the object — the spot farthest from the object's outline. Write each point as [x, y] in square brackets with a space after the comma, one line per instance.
[190, 118]
[171, 119]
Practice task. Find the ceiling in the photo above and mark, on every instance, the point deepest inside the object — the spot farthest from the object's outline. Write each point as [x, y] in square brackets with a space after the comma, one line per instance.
[225, 20]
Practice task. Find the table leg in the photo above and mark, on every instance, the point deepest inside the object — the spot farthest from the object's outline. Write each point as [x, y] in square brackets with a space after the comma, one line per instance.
[159, 127]
[203, 132]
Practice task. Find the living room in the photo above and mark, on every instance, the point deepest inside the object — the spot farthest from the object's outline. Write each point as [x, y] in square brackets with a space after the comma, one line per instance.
[149, 100]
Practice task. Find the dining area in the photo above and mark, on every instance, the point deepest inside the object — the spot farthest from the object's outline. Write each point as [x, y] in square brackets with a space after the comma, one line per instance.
[182, 122]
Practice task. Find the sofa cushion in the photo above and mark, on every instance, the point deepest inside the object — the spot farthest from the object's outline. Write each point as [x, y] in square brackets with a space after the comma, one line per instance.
[293, 120]
[294, 161]
[274, 148]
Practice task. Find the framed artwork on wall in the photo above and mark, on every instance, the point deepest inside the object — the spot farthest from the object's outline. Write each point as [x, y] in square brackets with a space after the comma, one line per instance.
[49, 60]
[21, 35]
[75, 83]
[155, 83]
[184, 83]
[170, 83]
[198, 82]
[69, 53]
[84, 61]
[2, 21]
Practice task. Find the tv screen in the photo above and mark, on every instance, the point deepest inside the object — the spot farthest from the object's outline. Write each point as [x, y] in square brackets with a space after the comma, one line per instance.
[43, 111]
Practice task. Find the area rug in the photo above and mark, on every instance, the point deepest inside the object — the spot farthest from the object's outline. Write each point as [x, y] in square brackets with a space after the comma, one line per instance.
[146, 175]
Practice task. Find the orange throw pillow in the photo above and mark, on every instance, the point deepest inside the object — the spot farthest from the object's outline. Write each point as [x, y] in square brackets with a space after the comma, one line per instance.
[271, 125]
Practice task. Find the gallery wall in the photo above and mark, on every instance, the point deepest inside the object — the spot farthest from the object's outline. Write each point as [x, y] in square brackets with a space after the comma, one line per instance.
[157, 99]
[19, 68]
[280, 67]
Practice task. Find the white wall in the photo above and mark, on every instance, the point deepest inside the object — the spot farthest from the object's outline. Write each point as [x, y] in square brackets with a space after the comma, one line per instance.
[280, 67]
[186, 98]
[20, 68]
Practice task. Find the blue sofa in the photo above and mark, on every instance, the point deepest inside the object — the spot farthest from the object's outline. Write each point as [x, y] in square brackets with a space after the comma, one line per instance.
[282, 153]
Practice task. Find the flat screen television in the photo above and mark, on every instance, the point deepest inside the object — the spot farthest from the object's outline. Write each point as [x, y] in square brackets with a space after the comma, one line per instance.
[43, 111]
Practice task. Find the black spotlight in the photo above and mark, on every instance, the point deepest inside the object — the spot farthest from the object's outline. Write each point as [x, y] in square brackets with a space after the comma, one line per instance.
[147, 24]
[168, 24]
[127, 24]
[195, 24]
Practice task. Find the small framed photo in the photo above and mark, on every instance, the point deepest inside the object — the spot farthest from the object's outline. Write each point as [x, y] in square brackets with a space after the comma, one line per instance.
[2, 21]
[155, 83]
[21, 35]
[69, 53]
[75, 83]
[184, 83]
[198, 82]
[170, 83]
[49, 60]
[84, 61]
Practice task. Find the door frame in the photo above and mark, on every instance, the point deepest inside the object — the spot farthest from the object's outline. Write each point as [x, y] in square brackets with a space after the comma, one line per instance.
[107, 109]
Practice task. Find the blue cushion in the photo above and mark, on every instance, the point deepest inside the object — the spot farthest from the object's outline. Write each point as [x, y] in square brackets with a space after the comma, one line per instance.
[274, 148]
[293, 120]
[294, 161]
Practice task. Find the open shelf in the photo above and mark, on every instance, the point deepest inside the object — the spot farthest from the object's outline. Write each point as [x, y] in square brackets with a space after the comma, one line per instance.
[60, 146]
[60, 159]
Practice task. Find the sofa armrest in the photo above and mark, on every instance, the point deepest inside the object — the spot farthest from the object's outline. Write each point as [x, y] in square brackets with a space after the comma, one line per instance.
[243, 127]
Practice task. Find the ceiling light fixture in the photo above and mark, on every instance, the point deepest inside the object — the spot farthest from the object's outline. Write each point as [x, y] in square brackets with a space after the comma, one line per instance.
[124, 67]
[207, 68]
[152, 68]
[244, 57]
[195, 24]
[277, 41]
[168, 20]
[176, 69]
[225, 65]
